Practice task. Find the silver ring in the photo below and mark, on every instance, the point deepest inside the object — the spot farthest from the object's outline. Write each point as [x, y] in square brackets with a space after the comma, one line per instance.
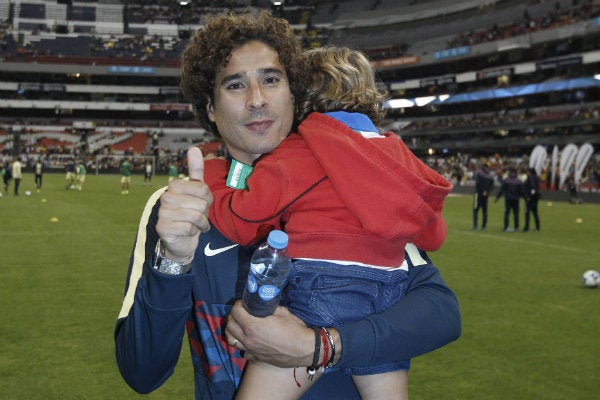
[234, 343]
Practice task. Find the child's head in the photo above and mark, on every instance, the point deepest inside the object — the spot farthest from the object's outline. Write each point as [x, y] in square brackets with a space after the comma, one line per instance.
[341, 79]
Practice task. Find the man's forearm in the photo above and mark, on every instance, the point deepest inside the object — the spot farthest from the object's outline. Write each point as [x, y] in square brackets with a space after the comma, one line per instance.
[425, 319]
[148, 340]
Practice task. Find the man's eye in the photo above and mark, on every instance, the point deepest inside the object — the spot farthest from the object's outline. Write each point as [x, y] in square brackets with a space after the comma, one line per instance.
[272, 79]
[234, 86]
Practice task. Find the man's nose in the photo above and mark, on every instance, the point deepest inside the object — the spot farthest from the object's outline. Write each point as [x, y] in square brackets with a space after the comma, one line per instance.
[256, 98]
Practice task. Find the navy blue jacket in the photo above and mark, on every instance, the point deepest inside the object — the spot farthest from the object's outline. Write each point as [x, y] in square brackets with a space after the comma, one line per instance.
[512, 188]
[158, 307]
[484, 182]
[532, 187]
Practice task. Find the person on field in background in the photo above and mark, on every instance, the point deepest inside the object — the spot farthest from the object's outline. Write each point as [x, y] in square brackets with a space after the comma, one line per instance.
[572, 188]
[81, 174]
[71, 174]
[173, 171]
[243, 74]
[484, 184]
[126, 167]
[6, 176]
[148, 173]
[38, 174]
[513, 189]
[532, 190]
[17, 175]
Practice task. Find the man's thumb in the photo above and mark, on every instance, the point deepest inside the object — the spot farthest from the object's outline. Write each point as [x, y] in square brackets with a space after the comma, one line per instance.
[195, 164]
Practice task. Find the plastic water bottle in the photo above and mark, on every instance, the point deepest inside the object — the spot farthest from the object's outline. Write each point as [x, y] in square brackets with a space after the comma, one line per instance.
[269, 267]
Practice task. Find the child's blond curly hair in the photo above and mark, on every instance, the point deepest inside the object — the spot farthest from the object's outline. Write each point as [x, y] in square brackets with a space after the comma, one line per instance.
[341, 79]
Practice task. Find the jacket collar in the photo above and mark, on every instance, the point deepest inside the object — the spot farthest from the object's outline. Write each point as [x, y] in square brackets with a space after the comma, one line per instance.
[357, 121]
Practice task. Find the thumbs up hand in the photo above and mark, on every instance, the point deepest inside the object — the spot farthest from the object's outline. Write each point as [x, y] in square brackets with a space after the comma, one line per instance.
[183, 212]
[195, 164]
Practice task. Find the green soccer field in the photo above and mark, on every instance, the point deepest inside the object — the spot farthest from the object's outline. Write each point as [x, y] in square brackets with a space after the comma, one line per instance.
[530, 329]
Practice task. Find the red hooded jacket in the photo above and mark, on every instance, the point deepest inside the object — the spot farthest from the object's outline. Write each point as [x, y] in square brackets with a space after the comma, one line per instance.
[338, 195]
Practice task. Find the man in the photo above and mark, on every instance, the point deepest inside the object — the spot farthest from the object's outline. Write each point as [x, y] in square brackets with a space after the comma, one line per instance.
[148, 173]
[484, 184]
[81, 174]
[125, 176]
[39, 171]
[71, 174]
[243, 76]
[532, 189]
[173, 171]
[6, 175]
[512, 189]
[17, 175]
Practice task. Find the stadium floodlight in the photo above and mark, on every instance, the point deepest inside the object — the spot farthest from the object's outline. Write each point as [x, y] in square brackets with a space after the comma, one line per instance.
[398, 103]
[423, 101]
[417, 101]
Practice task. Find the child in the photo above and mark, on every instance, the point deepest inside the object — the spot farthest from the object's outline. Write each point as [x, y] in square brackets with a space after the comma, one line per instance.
[350, 200]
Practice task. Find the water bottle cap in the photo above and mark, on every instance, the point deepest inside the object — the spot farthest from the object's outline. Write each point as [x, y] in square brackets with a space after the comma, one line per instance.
[278, 239]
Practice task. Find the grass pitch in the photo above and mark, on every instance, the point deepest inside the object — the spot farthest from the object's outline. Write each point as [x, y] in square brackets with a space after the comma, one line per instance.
[530, 329]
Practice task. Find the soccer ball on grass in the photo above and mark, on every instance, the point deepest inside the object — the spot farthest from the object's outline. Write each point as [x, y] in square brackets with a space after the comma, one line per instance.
[591, 278]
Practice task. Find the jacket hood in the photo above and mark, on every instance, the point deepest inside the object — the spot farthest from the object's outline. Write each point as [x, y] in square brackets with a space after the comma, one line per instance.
[391, 191]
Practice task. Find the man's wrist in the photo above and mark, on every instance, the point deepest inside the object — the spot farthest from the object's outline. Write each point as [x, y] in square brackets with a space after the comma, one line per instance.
[327, 349]
[337, 340]
[167, 264]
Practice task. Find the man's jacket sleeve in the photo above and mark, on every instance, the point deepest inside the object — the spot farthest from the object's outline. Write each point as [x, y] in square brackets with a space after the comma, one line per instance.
[150, 327]
[425, 319]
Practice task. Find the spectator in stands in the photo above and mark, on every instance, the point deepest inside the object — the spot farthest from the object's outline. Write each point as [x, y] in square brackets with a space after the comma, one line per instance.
[532, 189]
[513, 189]
[192, 278]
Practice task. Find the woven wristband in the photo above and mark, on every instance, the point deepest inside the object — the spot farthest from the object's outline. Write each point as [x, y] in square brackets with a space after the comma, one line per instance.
[313, 368]
[325, 344]
[331, 346]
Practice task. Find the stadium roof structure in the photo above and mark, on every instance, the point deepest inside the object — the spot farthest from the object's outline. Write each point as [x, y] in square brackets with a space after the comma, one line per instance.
[535, 88]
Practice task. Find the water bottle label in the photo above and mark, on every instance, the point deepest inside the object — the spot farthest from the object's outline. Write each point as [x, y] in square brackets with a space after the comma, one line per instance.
[251, 284]
[268, 292]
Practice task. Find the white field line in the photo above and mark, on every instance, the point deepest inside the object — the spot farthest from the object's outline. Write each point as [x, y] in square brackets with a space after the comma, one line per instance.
[507, 238]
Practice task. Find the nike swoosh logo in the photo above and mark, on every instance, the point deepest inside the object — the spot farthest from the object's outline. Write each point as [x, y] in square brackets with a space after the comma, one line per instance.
[213, 252]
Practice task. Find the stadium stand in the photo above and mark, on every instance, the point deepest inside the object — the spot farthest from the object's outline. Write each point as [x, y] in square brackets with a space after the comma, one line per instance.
[469, 78]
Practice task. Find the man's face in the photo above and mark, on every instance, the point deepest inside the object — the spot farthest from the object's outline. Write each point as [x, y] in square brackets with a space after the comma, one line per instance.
[253, 105]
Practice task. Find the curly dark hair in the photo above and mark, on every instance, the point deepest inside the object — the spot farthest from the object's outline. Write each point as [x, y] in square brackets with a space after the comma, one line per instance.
[211, 48]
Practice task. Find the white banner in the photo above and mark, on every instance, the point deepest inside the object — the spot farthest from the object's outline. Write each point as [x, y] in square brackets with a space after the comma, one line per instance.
[567, 159]
[583, 156]
[554, 164]
[538, 158]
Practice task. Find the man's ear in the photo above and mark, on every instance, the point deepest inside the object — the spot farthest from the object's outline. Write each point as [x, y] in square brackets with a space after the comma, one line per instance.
[210, 112]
